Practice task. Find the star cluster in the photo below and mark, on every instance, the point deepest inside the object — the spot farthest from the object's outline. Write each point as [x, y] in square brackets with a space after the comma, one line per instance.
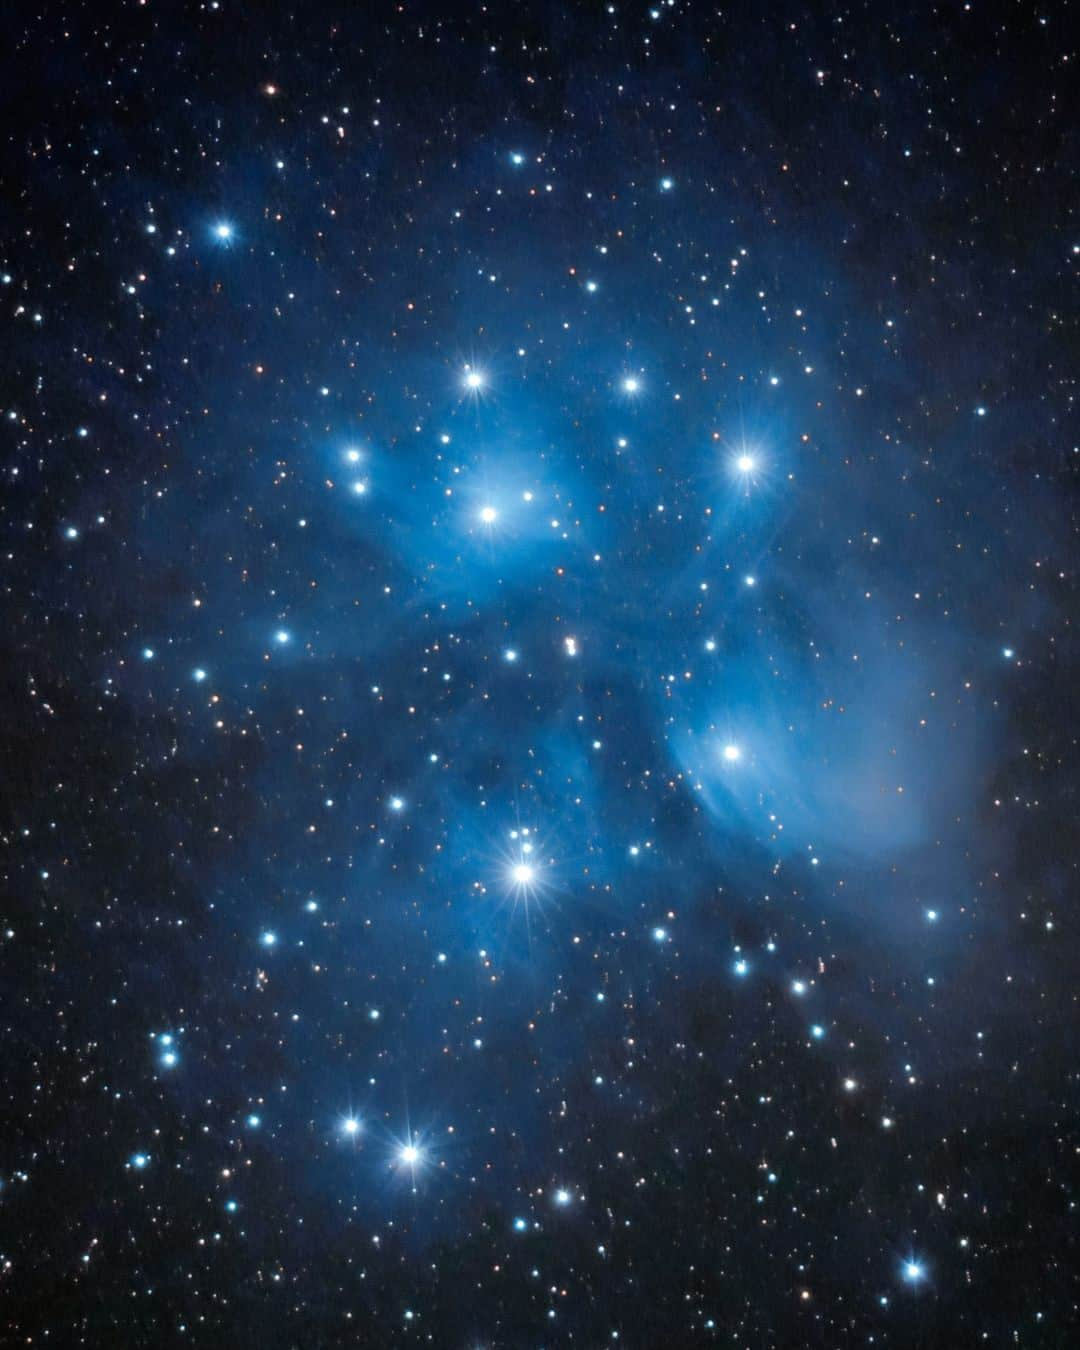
[537, 551]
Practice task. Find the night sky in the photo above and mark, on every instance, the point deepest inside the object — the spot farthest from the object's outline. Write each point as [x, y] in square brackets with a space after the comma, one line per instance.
[539, 787]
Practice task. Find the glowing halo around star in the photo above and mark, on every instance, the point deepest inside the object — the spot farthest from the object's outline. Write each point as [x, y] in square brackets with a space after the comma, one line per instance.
[745, 463]
[473, 380]
[410, 1157]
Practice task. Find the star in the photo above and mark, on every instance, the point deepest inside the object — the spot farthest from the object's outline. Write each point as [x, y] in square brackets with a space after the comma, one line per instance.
[732, 754]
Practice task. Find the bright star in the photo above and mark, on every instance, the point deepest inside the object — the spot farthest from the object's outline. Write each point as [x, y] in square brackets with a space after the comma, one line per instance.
[353, 456]
[666, 184]
[350, 1126]
[732, 753]
[631, 385]
[254, 1121]
[510, 655]
[409, 1154]
[198, 674]
[281, 637]
[562, 1197]
[520, 1225]
[268, 939]
[397, 804]
[741, 967]
[817, 1031]
[659, 934]
[914, 1272]
[798, 987]
[223, 231]
[517, 158]
[170, 1059]
[473, 379]
[139, 1161]
[523, 873]
[488, 515]
[746, 463]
